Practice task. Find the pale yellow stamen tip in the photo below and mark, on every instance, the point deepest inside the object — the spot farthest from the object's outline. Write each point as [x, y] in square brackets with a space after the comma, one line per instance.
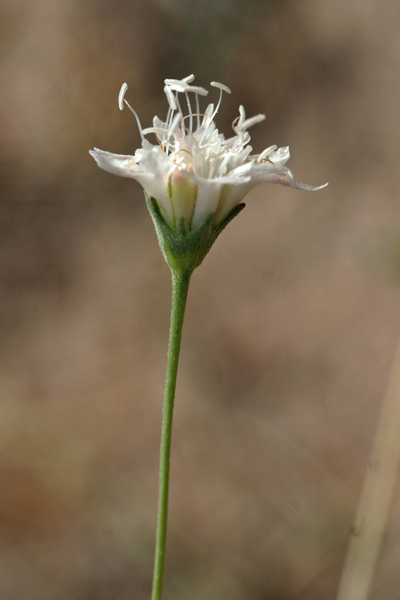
[221, 86]
[121, 95]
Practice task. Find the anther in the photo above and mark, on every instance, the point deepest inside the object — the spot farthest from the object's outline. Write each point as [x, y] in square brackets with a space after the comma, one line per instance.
[221, 86]
[121, 95]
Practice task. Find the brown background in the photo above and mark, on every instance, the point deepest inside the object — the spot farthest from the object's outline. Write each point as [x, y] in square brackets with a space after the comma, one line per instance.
[292, 320]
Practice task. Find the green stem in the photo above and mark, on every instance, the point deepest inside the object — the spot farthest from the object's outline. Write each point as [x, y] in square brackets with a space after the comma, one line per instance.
[180, 287]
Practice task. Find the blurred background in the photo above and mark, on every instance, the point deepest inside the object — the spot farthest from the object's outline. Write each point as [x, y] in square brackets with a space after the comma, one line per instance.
[292, 319]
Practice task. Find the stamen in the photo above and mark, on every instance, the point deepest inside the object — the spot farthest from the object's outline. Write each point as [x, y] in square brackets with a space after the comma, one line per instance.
[252, 121]
[197, 90]
[174, 125]
[224, 163]
[137, 119]
[190, 112]
[156, 130]
[208, 113]
[187, 79]
[169, 117]
[121, 95]
[221, 86]
[183, 87]
[197, 112]
[170, 97]
[178, 86]
[180, 113]
[242, 117]
[264, 156]
[234, 125]
[206, 121]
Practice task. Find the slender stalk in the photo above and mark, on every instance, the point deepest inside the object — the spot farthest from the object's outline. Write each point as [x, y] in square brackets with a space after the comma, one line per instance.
[180, 287]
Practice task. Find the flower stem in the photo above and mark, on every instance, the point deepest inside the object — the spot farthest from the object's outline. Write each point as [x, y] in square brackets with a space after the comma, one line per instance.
[180, 287]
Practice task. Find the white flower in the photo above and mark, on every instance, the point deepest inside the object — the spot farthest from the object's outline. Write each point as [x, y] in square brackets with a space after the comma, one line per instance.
[192, 171]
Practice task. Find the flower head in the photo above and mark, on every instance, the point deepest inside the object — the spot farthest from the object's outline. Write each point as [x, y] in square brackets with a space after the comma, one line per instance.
[192, 171]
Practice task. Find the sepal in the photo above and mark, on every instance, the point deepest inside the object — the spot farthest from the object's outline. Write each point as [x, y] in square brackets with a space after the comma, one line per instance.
[182, 250]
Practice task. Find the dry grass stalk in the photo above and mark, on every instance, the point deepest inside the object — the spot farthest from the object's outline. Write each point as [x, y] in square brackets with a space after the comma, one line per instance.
[376, 496]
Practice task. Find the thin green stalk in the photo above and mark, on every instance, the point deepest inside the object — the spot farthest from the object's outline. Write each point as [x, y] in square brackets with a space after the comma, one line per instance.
[180, 287]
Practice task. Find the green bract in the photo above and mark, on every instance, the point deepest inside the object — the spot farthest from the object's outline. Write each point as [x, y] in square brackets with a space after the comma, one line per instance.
[183, 250]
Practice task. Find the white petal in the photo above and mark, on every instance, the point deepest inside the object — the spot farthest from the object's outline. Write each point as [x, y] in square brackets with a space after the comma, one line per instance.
[266, 153]
[310, 188]
[242, 169]
[271, 173]
[182, 195]
[233, 180]
[155, 168]
[231, 197]
[220, 171]
[208, 197]
[281, 155]
[118, 164]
